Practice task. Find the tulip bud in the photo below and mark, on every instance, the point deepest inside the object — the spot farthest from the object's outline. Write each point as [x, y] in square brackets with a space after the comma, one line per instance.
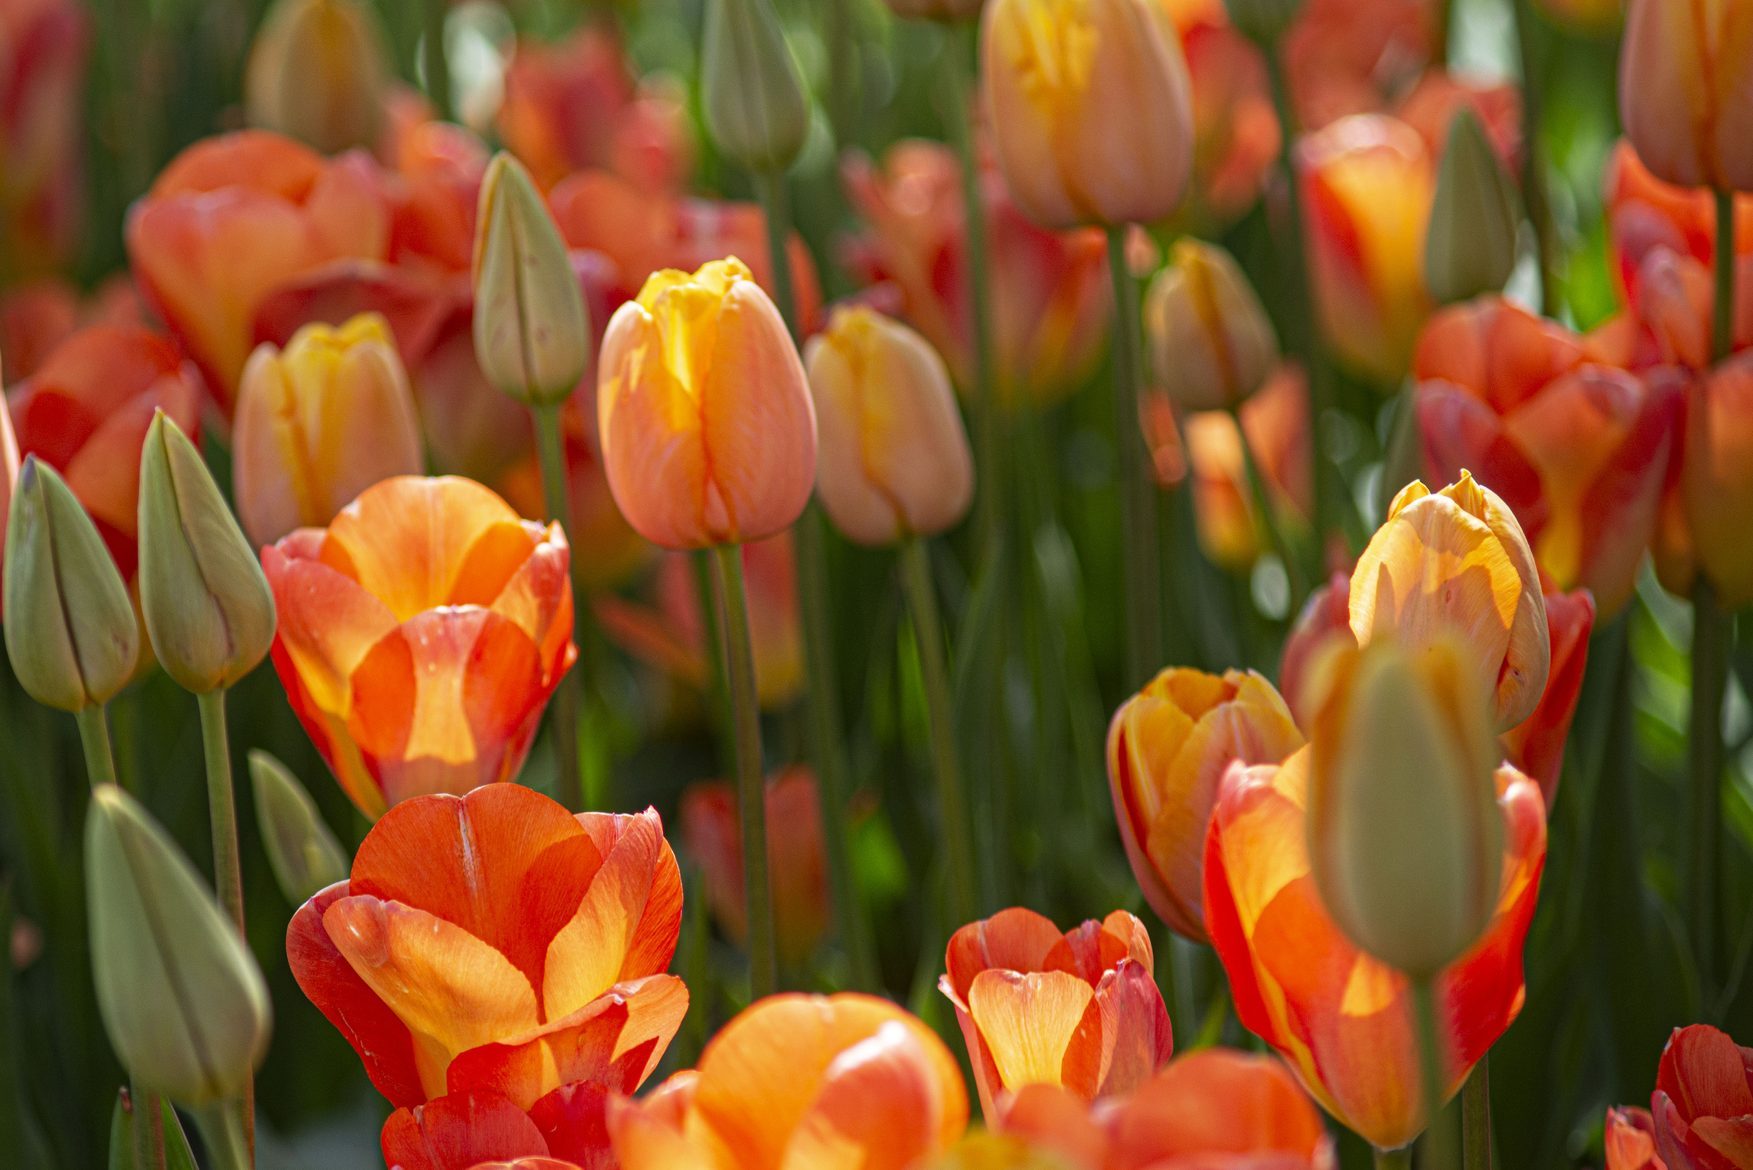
[302, 851]
[1263, 21]
[893, 458]
[1405, 836]
[756, 108]
[208, 608]
[182, 999]
[947, 11]
[316, 73]
[1470, 245]
[70, 627]
[1684, 73]
[532, 334]
[1210, 340]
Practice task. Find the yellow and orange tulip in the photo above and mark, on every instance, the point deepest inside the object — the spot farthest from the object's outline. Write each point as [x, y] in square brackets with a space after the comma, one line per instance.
[1684, 73]
[421, 634]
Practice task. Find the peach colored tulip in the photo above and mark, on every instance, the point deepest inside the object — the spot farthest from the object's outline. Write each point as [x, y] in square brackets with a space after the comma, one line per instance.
[708, 433]
[1455, 562]
[1342, 1019]
[1212, 345]
[1090, 108]
[494, 944]
[421, 634]
[255, 194]
[1230, 527]
[1577, 449]
[44, 45]
[1079, 1008]
[1685, 73]
[841, 1082]
[894, 459]
[318, 423]
[1630, 1139]
[1168, 748]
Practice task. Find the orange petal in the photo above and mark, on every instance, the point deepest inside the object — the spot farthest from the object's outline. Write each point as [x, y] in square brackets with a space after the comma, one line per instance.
[879, 1108]
[1039, 1027]
[459, 1132]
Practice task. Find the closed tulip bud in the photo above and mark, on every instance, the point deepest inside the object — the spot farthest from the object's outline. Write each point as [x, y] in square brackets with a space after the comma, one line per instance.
[1091, 109]
[182, 999]
[708, 432]
[70, 628]
[756, 109]
[302, 852]
[1263, 20]
[894, 459]
[532, 334]
[1684, 72]
[1405, 837]
[1211, 342]
[317, 73]
[1470, 245]
[948, 11]
[208, 608]
[319, 422]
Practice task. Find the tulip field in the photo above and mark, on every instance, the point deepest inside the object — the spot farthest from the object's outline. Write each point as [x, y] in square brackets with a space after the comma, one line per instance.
[876, 584]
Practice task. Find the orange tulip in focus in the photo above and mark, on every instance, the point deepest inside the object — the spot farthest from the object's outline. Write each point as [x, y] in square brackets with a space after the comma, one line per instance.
[795, 859]
[421, 635]
[841, 1082]
[498, 946]
[1684, 75]
[43, 50]
[708, 433]
[1231, 530]
[1090, 109]
[1578, 450]
[1342, 1019]
[1168, 748]
[318, 423]
[86, 410]
[1368, 183]
[1037, 1006]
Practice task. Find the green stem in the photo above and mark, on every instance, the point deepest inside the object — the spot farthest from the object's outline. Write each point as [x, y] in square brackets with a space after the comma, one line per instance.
[227, 863]
[224, 1133]
[435, 58]
[717, 690]
[958, 828]
[1143, 633]
[776, 207]
[94, 737]
[739, 662]
[1293, 569]
[580, 787]
[1400, 1159]
[1710, 673]
[1430, 1063]
[1723, 319]
[1534, 189]
[1476, 1117]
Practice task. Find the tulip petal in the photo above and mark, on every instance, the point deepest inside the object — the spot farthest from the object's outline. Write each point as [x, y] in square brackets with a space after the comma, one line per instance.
[879, 1108]
[1706, 1074]
[1041, 1027]
[1017, 939]
[458, 1132]
[574, 1122]
[1136, 1035]
[1215, 1102]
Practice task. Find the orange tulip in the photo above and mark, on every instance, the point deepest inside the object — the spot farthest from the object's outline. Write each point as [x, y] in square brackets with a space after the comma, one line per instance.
[1323, 626]
[708, 433]
[1630, 1139]
[1645, 214]
[1036, 1006]
[253, 194]
[421, 635]
[1342, 1019]
[1536, 745]
[37, 316]
[1225, 514]
[43, 51]
[86, 410]
[841, 1082]
[1684, 73]
[1713, 487]
[1348, 56]
[1235, 128]
[1455, 563]
[1433, 103]
[795, 859]
[1168, 748]
[1049, 289]
[1577, 449]
[318, 423]
[1090, 109]
[1368, 182]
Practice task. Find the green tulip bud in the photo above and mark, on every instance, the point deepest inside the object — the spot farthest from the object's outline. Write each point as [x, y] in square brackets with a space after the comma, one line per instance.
[1470, 246]
[208, 607]
[1263, 21]
[181, 997]
[302, 851]
[756, 110]
[70, 626]
[532, 333]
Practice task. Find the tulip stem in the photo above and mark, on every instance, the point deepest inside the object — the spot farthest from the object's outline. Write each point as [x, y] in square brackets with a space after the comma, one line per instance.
[1430, 1062]
[580, 786]
[94, 737]
[1143, 633]
[739, 669]
[1257, 487]
[1400, 1159]
[435, 59]
[1534, 191]
[1476, 1116]
[227, 864]
[223, 1132]
[958, 828]
[1710, 672]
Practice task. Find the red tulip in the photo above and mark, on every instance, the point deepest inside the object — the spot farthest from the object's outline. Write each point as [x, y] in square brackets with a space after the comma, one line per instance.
[43, 50]
[1703, 1103]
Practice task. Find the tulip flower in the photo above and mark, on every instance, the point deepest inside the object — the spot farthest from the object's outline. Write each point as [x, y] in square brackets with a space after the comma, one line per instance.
[894, 461]
[1344, 57]
[1684, 72]
[1536, 745]
[796, 860]
[1368, 182]
[1703, 1103]
[1037, 1006]
[319, 422]
[830, 1082]
[318, 72]
[1645, 214]
[1226, 513]
[38, 315]
[1212, 345]
[1168, 748]
[1630, 1139]
[708, 434]
[44, 46]
[1342, 1019]
[1577, 450]
[1090, 109]
[255, 194]
[1714, 485]
[420, 636]
[1236, 138]
[496, 943]
[1323, 626]
[1456, 563]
